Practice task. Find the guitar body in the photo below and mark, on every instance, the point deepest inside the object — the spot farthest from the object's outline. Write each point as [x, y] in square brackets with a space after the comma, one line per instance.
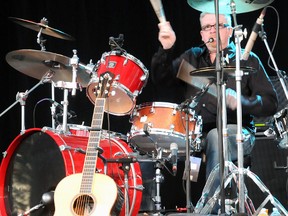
[99, 202]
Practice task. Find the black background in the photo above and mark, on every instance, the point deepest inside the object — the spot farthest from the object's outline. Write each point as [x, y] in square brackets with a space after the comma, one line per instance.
[92, 23]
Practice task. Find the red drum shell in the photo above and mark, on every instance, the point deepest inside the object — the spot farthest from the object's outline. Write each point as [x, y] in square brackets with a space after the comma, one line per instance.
[130, 76]
[37, 160]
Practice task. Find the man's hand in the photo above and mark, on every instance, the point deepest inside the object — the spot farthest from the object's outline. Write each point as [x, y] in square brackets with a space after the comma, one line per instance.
[231, 99]
[166, 35]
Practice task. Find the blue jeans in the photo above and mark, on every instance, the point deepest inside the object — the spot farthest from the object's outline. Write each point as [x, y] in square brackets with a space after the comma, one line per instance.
[212, 149]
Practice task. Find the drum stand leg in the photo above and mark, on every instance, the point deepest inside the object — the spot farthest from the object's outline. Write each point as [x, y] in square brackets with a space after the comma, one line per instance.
[158, 180]
[126, 168]
[205, 206]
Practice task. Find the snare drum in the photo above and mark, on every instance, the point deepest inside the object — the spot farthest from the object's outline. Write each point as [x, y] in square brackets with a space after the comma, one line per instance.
[36, 161]
[130, 76]
[159, 124]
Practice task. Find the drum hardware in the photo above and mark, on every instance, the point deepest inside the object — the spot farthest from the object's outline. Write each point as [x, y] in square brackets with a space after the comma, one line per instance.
[117, 43]
[158, 180]
[21, 97]
[69, 148]
[54, 67]
[47, 199]
[74, 61]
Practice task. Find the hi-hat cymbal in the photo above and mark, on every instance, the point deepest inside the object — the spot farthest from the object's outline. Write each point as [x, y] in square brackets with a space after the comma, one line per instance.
[36, 64]
[229, 71]
[42, 25]
[242, 6]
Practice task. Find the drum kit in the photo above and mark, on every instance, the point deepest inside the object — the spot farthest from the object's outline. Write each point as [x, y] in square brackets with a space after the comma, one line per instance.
[61, 151]
[158, 133]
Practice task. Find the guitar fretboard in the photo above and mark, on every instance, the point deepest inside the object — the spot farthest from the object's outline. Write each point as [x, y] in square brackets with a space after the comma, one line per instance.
[93, 143]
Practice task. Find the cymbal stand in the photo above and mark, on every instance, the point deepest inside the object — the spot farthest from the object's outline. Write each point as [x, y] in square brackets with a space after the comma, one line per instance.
[65, 103]
[238, 34]
[40, 39]
[187, 171]
[53, 106]
[74, 61]
[22, 97]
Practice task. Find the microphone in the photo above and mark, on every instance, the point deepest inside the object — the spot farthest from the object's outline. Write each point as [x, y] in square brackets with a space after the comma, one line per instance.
[210, 40]
[193, 101]
[70, 113]
[174, 152]
[253, 35]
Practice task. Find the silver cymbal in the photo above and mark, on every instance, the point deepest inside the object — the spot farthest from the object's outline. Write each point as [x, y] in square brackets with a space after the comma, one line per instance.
[36, 64]
[242, 6]
[42, 25]
[229, 71]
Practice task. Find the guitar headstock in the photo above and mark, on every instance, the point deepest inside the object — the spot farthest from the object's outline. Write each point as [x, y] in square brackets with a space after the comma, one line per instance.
[104, 84]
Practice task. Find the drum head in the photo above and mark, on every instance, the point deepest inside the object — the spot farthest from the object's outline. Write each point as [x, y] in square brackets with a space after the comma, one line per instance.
[35, 167]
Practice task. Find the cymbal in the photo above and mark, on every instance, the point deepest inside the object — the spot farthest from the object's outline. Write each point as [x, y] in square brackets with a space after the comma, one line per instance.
[42, 25]
[36, 64]
[242, 6]
[198, 82]
[229, 71]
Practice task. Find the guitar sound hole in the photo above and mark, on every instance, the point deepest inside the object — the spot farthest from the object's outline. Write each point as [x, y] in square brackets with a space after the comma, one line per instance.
[83, 205]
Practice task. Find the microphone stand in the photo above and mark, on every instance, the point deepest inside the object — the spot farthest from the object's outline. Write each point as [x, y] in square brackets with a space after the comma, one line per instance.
[263, 36]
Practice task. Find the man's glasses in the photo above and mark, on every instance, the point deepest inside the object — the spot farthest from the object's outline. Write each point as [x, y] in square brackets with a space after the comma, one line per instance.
[209, 27]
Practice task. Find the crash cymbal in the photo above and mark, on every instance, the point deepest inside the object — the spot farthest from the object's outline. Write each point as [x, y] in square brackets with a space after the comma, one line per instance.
[42, 25]
[229, 71]
[242, 6]
[36, 64]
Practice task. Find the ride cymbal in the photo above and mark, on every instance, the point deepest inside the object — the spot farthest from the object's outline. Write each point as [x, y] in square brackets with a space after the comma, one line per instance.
[242, 6]
[42, 25]
[36, 64]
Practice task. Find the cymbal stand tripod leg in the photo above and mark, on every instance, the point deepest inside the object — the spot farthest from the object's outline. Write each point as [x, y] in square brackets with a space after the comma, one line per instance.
[205, 205]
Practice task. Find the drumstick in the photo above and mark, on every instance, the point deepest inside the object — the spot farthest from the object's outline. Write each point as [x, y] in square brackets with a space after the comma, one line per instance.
[158, 8]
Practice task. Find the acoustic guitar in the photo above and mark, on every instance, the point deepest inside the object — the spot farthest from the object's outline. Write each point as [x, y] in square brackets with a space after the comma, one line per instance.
[89, 193]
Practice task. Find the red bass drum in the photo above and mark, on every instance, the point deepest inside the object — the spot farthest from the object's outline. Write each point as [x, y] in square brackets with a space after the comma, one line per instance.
[37, 160]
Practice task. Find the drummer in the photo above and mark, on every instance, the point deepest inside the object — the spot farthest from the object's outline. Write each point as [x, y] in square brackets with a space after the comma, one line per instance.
[258, 98]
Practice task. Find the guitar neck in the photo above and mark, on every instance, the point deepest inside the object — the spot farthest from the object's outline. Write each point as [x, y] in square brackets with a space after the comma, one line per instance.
[92, 147]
